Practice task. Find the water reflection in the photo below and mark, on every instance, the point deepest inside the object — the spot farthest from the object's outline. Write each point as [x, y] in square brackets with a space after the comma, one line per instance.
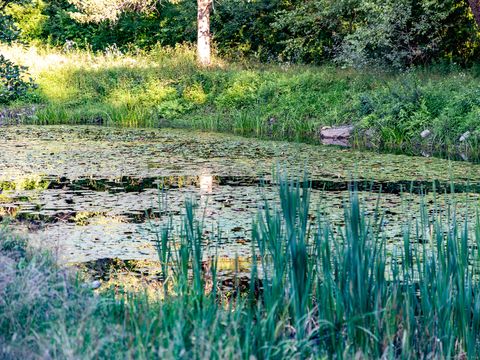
[206, 184]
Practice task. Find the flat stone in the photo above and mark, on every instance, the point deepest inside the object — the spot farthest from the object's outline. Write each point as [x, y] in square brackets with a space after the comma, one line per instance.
[339, 135]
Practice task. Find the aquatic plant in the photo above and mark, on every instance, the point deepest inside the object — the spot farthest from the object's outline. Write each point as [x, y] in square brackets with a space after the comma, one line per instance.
[314, 291]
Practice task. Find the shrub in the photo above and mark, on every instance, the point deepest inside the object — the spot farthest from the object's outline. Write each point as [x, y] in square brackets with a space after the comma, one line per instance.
[195, 94]
[28, 18]
[8, 30]
[12, 81]
[240, 92]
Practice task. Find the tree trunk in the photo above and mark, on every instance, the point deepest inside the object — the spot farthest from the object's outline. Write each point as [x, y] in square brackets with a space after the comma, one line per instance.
[203, 37]
[475, 6]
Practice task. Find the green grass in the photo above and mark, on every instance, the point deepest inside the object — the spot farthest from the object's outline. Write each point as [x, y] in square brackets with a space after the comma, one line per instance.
[164, 87]
[315, 292]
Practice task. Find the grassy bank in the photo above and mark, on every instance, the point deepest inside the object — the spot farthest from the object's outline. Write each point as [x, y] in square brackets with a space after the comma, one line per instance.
[164, 87]
[322, 292]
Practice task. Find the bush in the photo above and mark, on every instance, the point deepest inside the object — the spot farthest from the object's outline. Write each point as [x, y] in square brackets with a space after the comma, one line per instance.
[8, 30]
[400, 109]
[12, 81]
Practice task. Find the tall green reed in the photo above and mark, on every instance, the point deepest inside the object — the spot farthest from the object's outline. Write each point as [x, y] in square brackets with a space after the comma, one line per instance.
[340, 290]
[316, 289]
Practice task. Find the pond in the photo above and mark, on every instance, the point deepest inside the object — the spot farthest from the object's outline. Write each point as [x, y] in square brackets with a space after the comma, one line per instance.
[92, 193]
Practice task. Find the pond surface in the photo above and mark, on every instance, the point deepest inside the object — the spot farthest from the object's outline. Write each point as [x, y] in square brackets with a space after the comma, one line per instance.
[93, 192]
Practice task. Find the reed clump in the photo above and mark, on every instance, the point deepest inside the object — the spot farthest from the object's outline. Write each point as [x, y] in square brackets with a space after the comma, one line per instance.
[315, 291]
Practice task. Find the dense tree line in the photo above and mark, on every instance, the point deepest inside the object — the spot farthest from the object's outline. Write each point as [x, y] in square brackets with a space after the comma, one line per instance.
[394, 33]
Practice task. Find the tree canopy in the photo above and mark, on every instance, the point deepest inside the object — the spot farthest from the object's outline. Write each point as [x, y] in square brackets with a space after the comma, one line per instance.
[349, 32]
[107, 10]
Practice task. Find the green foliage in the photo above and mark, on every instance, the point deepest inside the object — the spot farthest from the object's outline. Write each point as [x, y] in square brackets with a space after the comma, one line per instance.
[167, 24]
[12, 81]
[397, 33]
[314, 291]
[370, 32]
[164, 87]
[242, 90]
[400, 110]
[353, 32]
[314, 29]
[29, 18]
[9, 31]
[243, 29]
[96, 11]
[12, 244]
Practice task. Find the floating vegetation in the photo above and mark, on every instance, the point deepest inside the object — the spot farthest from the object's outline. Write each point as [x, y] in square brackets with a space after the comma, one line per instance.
[85, 152]
[164, 222]
[95, 192]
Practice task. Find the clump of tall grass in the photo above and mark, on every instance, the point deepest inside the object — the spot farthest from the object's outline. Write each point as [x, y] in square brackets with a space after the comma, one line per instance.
[315, 290]
[164, 87]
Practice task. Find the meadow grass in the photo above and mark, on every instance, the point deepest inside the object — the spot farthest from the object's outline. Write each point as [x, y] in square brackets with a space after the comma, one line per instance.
[164, 87]
[315, 291]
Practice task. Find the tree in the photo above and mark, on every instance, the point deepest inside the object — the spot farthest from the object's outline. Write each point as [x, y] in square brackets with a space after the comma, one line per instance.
[203, 32]
[384, 33]
[475, 6]
[109, 10]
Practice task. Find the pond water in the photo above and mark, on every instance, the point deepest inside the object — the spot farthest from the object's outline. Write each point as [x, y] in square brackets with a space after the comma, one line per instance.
[93, 192]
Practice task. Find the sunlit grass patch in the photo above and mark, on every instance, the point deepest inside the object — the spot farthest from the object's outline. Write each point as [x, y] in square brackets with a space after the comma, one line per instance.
[164, 87]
